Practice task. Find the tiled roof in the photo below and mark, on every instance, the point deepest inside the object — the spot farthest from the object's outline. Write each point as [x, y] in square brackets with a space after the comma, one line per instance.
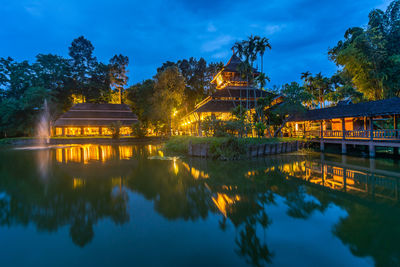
[366, 109]
[88, 114]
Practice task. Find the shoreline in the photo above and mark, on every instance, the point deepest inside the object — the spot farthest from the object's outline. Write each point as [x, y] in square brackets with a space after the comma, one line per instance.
[26, 141]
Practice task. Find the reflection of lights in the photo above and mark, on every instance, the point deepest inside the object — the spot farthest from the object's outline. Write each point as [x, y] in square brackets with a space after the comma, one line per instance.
[160, 153]
[223, 202]
[116, 181]
[150, 149]
[106, 153]
[87, 153]
[125, 152]
[194, 172]
[78, 182]
[59, 155]
[250, 173]
[176, 170]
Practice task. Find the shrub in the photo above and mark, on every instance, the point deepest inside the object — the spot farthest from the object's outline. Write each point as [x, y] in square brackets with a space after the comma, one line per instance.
[139, 129]
[260, 127]
[115, 128]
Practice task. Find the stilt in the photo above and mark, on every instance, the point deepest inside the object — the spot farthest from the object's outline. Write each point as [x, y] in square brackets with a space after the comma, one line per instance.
[371, 150]
[344, 148]
[322, 146]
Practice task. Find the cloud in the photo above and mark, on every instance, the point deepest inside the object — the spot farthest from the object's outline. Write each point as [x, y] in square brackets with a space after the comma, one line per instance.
[152, 32]
[211, 27]
[271, 29]
[220, 55]
[217, 43]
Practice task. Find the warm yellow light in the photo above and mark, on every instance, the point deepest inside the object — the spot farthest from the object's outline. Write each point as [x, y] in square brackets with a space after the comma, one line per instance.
[78, 182]
[125, 152]
[176, 169]
[223, 202]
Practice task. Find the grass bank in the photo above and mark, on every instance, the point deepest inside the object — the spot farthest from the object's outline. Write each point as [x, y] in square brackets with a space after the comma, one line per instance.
[220, 147]
[13, 140]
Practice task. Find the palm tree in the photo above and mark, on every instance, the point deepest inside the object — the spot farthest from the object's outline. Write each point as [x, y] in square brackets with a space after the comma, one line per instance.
[305, 75]
[261, 80]
[238, 50]
[310, 85]
[261, 45]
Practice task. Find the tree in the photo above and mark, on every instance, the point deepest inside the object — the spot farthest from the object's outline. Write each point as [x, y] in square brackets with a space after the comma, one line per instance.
[371, 56]
[198, 76]
[276, 116]
[317, 86]
[54, 73]
[262, 44]
[168, 94]
[119, 73]
[115, 128]
[140, 99]
[98, 88]
[343, 89]
[248, 50]
[82, 63]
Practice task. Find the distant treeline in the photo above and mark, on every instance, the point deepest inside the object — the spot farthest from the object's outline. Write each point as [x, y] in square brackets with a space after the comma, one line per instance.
[82, 78]
[368, 61]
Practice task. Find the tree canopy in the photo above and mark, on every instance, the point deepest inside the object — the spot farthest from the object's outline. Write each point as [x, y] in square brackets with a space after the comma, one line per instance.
[371, 55]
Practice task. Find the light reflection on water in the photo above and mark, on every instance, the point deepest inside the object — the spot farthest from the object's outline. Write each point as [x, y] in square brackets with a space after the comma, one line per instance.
[82, 185]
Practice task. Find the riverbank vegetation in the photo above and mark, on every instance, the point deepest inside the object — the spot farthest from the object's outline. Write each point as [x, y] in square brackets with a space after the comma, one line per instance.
[220, 147]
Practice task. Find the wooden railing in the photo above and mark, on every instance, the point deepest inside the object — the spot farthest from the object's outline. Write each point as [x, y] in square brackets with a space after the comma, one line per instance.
[388, 134]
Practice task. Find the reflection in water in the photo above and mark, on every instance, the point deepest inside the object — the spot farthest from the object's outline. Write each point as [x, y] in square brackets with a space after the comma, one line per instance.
[87, 153]
[88, 183]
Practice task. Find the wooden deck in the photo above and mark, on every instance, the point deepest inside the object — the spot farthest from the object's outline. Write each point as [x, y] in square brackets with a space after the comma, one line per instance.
[372, 139]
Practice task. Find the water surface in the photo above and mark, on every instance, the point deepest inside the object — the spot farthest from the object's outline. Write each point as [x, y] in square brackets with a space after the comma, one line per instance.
[107, 205]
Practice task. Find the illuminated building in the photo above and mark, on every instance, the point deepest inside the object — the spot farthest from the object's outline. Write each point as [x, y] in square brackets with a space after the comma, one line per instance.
[232, 91]
[87, 119]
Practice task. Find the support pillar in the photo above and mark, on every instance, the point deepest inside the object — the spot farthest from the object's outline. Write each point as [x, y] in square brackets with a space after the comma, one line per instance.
[344, 148]
[82, 130]
[199, 125]
[365, 124]
[371, 129]
[396, 151]
[343, 129]
[344, 179]
[371, 150]
[63, 131]
[321, 132]
[100, 130]
[322, 146]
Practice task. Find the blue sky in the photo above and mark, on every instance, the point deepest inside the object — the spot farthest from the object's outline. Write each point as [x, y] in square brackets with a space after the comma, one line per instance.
[152, 32]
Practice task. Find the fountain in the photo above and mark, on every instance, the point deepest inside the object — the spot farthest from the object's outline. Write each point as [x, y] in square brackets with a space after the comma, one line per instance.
[43, 127]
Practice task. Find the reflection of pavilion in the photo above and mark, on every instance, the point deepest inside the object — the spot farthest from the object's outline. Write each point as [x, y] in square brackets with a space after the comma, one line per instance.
[346, 178]
[97, 153]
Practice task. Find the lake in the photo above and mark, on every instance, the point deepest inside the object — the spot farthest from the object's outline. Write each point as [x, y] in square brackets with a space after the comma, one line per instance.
[104, 205]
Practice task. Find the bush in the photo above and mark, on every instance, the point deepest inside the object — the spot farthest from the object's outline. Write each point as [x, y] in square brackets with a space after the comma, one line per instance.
[260, 127]
[228, 149]
[139, 130]
[115, 128]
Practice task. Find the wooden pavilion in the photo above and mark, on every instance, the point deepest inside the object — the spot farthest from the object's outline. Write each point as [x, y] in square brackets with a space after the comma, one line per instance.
[373, 123]
[232, 91]
[87, 119]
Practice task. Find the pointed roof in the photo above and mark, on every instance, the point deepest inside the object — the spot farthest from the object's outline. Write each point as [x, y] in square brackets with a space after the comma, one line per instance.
[233, 64]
